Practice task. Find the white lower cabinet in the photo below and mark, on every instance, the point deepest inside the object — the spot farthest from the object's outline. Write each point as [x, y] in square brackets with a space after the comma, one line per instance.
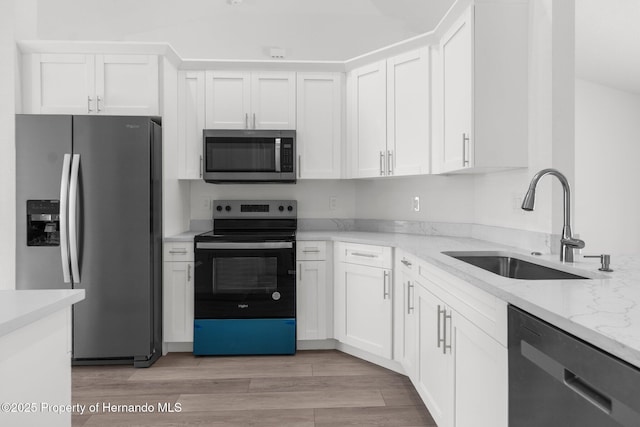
[177, 292]
[363, 298]
[313, 293]
[461, 371]
[405, 315]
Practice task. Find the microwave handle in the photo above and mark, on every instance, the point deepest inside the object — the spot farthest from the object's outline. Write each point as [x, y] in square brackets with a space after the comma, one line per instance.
[277, 151]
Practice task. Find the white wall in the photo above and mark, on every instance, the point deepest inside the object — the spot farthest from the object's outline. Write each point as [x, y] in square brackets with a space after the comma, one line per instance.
[442, 198]
[607, 174]
[313, 196]
[17, 20]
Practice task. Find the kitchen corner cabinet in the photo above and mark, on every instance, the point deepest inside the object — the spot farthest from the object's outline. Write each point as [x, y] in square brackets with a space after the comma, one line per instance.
[313, 293]
[363, 297]
[177, 295]
[250, 100]
[91, 84]
[191, 122]
[481, 89]
[389, 116]
[319, 125]
[461, 371]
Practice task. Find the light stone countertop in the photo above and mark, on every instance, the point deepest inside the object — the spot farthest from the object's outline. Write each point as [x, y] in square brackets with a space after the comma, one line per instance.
[21, 308]
[604, 310]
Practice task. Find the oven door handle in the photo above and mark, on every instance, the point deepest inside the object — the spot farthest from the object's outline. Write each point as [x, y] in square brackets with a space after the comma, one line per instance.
[244, 245]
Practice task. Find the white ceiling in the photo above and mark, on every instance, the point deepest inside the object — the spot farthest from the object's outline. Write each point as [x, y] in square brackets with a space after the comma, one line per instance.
[607, 31]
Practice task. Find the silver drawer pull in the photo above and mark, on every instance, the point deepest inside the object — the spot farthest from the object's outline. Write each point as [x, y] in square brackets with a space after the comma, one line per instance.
[311, 251]
[364, 255]
[181, 251]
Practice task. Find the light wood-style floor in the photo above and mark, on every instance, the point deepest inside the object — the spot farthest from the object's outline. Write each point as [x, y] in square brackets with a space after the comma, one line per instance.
[312, 388]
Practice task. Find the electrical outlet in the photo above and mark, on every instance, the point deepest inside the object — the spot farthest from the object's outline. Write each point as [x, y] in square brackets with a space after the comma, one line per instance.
[333, 201]
[206, 204]
[416, 203]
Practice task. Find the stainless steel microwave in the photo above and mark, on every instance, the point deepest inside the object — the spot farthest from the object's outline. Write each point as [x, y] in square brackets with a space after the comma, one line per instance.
[237, 156]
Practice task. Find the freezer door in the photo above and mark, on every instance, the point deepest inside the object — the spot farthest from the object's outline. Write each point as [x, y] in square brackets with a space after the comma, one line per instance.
[41, 144]
[114, 237]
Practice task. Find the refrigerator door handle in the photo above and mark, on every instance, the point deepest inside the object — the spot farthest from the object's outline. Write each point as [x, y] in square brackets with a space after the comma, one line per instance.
[73, 219]
[64, 202]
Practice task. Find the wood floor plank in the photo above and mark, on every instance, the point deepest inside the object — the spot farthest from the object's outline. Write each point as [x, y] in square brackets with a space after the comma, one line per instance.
[263, 418]
[380, 416]
[312, 388]
[281, 400]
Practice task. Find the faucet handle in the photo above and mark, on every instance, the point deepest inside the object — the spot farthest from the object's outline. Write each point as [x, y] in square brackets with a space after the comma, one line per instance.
[605, 260]
[573, 242]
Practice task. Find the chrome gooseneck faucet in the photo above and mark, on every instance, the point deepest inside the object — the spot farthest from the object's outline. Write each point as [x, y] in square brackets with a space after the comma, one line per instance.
[567, 241]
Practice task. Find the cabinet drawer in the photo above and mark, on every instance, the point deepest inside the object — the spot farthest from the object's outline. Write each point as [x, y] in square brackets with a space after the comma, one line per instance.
[370, 255]
[311, 251]
[178, 251]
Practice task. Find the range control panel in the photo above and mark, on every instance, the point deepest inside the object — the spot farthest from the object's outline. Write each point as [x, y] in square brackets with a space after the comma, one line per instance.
[237, 209]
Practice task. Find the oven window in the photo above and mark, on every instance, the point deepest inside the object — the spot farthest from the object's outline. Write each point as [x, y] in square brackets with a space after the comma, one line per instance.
[245, 275]
[231, 155]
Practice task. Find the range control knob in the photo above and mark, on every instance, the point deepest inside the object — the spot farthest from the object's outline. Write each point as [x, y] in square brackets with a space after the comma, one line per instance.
[281, 208]
[290, 208]
[227, 208]
[219, 208]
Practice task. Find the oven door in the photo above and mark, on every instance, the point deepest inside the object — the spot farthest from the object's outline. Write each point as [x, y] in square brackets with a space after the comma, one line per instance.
[245, 280]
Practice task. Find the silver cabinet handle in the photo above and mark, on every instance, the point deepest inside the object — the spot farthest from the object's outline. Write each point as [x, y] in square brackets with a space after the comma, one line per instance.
[89, 100]
[364, 255]
[311, 251]
[381, 163]
[201, 163]
[444, 332]
[188, 272]
[73, 220]
[98, 99]
[389, 162]
[439, 324]
[64, 201]
[246, 120]
[409, 288]
[300, 272]
[299, 166]
[465, 154]
[254, 120]
[179, 251]
[405, 262]
[277, 153]
[385, 292]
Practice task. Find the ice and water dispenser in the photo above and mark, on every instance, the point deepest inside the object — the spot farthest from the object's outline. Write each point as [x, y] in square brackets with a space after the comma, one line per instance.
[43, 223]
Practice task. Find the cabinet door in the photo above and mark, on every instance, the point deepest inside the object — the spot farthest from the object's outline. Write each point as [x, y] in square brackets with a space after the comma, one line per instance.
[178, 302]
[363, 308]
[127, 84]
[273, 100]
[228, 100]
[319, 125]
[61, 84]
[481, 381]
[191, 104]
[408, 113]
[368, 118]
[435, 363]
[311, 297]
[456, 55]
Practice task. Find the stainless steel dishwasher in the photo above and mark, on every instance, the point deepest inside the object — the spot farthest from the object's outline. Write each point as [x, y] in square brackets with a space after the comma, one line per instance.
[558, 380]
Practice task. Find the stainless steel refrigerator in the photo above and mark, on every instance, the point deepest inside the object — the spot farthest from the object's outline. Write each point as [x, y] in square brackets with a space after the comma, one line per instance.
[89, 202]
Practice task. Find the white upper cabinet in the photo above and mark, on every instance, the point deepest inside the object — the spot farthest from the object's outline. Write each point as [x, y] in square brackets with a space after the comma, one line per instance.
[319, 120]
[91, 84]
[389, 116]
[408, 113]
[368, 119]
[256, 100]
[191, 121]
[480, 106]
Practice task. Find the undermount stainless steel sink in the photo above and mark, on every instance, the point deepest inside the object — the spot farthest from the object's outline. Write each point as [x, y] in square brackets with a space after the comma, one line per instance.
[510, 266]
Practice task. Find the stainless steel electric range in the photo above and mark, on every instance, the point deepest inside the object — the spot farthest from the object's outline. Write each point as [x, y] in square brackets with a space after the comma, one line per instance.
[245, 299]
